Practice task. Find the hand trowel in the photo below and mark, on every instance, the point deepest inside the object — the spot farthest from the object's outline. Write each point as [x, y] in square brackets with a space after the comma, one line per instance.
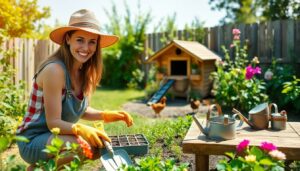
[112, 160]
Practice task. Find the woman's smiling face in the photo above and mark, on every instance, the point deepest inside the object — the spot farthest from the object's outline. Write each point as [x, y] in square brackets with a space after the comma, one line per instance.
[82, 45]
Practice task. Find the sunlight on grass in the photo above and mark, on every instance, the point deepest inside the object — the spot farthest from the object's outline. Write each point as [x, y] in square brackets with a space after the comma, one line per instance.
[109, 99]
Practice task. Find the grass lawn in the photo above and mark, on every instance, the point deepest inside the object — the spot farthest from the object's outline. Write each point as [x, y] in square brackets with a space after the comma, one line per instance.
[112, 99]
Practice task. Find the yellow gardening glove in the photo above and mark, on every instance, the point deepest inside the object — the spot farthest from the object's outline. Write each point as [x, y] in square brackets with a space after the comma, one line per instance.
[90, 134]
[110, 116]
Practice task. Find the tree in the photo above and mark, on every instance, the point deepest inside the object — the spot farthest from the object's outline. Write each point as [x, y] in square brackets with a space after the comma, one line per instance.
[124, 62]
[18, 18]
[250, 11]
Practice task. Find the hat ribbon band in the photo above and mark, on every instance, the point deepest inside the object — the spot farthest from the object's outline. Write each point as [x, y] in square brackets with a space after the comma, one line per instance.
[86, 25]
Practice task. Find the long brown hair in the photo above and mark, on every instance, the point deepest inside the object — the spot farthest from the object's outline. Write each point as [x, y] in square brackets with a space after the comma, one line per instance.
[91, 70]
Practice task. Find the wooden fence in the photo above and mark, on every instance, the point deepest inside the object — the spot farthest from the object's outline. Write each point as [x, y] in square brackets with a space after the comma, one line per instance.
[278, 39]
[28, 55]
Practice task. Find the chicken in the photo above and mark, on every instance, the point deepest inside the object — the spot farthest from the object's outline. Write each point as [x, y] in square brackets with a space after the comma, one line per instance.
[158, 107]
[195, 103]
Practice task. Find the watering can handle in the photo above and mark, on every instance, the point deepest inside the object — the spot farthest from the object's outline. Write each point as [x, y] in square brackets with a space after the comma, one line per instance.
[275, 107]
[239, 126]
[218, 107]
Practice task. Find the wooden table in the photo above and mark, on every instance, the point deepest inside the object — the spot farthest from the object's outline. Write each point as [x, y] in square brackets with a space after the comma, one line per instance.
[287, 141]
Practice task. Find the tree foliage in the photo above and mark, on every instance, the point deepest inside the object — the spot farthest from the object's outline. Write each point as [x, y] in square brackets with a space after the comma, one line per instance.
[18, 18]
[124, 62]
[250, 11]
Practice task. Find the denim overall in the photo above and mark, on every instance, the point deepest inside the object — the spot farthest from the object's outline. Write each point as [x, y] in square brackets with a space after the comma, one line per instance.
[38, 132]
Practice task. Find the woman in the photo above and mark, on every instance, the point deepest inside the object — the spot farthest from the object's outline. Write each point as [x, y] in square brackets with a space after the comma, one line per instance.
[61, 88]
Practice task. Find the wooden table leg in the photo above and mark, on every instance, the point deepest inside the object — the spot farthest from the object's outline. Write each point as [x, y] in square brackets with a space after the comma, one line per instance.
[202, 162]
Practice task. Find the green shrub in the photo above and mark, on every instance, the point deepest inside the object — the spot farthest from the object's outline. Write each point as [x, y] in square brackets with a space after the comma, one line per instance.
[292, 93]
[282, 86]
[11, 94]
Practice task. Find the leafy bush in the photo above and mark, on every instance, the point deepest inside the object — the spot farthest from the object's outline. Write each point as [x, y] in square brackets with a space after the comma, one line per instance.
[11, 94]
[282, 86]
[292, 93]
[235, 84]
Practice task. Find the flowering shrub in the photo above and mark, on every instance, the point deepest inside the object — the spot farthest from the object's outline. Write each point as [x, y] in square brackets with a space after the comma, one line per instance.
[265, 157]
[235, 84]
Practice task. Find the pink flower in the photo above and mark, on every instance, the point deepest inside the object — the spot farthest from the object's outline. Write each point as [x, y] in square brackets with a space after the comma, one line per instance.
[278, 155]
[236, 31]
[242, 145]
[257, 70]
[250, 72]
[231, 45]
[236, 37]
[267, 146]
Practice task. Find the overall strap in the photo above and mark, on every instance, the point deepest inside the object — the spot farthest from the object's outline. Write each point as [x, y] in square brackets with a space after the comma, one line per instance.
[67, 76]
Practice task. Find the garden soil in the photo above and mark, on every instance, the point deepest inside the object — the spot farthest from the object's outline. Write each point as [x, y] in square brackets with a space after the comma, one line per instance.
[173, 109]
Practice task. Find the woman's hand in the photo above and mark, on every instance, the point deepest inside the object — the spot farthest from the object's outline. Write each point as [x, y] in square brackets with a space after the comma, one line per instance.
[110, 116]
[90, 134]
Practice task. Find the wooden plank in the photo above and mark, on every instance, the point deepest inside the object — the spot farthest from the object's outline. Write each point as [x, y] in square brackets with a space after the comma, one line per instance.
[295, 126]
[297, 40]
[287, 40]
[261, 44]
[269, 42]
[277, 39]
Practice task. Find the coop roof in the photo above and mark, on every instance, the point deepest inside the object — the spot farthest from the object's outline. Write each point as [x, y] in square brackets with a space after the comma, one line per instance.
[192, 48]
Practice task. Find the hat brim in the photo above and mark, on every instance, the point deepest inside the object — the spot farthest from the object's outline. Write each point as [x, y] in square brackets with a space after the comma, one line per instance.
[106, 40]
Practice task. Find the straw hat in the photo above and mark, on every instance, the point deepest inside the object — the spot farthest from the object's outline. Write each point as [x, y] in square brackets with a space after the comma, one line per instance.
[83, 20]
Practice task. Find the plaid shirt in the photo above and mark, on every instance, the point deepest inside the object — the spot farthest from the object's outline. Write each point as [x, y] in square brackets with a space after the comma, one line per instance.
[35, 107]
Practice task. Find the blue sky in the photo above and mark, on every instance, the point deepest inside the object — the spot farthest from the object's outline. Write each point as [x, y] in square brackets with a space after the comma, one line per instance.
[186, 10]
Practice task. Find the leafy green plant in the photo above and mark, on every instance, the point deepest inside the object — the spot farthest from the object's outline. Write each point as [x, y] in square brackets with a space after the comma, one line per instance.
[275, 77]
[167, 134]
[123, 60]
[263, 158]
[9, 164]
[58, 150]
[11, 93]
[235, 84]
[156, 163]
[292, 91]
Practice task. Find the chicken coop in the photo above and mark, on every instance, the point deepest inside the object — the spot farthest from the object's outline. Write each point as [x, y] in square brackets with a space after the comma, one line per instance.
[189, 63]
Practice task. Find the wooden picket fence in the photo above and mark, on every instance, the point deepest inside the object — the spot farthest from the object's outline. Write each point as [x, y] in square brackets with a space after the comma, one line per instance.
[279, 39]
[29, 54]
[274, 39]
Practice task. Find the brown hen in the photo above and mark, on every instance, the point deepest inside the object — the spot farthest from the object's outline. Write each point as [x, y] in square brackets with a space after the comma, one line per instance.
[158, 107]
[195, 104]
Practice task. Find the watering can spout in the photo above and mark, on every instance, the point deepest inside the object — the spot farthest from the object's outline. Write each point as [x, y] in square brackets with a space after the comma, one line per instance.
[243, 118]
[199, 125]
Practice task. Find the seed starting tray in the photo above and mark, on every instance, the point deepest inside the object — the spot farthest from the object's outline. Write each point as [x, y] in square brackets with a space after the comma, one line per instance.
[133, 144]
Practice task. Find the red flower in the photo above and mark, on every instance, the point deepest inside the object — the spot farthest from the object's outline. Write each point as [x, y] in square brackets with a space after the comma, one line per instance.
[87, 150]
[243, 145]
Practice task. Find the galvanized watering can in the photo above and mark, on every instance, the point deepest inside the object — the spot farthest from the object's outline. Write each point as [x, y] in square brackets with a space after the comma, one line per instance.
[259, 116]
[221, 127]
[278, 120]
